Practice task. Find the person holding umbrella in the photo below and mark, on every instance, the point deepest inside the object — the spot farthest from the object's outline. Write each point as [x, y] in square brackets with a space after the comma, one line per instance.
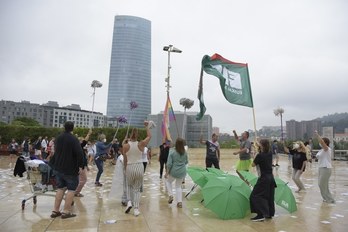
[262, 196]
[325, 166]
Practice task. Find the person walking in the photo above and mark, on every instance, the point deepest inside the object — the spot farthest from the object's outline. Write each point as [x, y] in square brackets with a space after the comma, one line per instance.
[100, 156]
[134, 167]
[275, 153]
[213, 151]
[37, 148]
[67, 162]
[299, 160]
[325, 168]
[91, 151]
[83, 172]
[262, 196]
[13, 150]
[26, 147]
[163, 156]
[176, 170]
[44, 144]
[244, 162]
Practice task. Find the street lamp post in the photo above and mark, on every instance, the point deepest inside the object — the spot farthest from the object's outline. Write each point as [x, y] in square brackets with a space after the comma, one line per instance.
[279, 112]
[95, 84]
[169, 49]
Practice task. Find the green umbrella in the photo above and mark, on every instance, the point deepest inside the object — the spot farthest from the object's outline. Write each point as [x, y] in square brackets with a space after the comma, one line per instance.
[216, 171]
[227, 196]
[284, 197]
[196, 174]
[248, 177]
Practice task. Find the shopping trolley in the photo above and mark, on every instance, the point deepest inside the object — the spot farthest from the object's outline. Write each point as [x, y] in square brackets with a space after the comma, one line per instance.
[40, 182]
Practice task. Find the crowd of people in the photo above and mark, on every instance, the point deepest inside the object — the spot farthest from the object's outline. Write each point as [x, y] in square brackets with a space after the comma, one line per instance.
[71, 157]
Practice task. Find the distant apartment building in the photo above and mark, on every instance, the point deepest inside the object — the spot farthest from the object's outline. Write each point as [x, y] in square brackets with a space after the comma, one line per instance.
[192, 132]
[341, 137]
[302, 130]
[216, 130]
[50, 114]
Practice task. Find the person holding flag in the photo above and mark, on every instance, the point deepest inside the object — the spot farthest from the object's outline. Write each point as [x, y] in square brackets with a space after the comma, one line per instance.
[244, 162]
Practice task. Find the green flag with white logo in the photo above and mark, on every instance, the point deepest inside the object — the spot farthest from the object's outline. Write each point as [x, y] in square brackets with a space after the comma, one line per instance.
[234, 79]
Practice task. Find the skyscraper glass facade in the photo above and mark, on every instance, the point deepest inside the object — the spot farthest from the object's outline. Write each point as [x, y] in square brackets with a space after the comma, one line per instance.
[130, 69]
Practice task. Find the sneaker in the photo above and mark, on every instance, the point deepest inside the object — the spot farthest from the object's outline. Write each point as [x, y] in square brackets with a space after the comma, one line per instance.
[129, 207]
[97, 184]
[170, 200]
[179, 205]
[258, 218]
[136, 212]
[124, 203]
[277, 165]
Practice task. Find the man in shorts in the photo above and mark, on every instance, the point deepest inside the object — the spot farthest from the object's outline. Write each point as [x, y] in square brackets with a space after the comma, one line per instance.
[66, 162]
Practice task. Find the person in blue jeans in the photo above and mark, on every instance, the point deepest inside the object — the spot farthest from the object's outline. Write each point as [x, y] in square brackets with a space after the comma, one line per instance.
[102, 150]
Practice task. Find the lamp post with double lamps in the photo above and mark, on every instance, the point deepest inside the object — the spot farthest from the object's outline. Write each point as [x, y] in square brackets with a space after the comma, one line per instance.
[169, 49]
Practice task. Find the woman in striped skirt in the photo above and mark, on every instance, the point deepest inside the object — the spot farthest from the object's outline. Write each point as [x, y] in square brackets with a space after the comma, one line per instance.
[134, 168]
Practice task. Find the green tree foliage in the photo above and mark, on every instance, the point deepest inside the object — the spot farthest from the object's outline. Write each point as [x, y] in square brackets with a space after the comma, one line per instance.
[8, 132]
[229, 144]
[24, 121]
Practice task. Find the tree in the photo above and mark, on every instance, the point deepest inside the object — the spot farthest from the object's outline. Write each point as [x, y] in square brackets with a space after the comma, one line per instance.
[24, 121]
[279, 112]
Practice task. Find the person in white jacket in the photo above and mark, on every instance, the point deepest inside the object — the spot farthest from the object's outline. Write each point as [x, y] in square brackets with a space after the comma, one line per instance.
[325, 167]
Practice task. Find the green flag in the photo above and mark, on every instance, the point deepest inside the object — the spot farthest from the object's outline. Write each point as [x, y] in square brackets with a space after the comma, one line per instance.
[234, 79]
[200, 115]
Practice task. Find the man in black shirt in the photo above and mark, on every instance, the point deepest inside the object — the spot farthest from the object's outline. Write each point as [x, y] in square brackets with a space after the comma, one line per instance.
[67, 162]
[163, 156]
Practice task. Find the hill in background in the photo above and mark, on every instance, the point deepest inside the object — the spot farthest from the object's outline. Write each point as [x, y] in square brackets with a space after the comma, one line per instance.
[339, 121]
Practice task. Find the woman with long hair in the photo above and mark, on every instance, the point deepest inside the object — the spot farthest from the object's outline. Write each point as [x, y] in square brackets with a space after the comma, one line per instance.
[176, 170]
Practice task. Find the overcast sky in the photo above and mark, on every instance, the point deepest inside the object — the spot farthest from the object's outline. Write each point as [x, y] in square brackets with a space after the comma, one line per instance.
[297, 52]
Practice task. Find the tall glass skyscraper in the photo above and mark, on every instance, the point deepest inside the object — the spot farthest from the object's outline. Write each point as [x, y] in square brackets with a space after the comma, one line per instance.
[130, 69]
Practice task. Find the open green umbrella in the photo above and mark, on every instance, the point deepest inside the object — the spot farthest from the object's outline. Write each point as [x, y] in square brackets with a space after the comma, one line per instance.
[284, 197]
[197, 176]
[216, 171]
[227, 196]
[248, 177]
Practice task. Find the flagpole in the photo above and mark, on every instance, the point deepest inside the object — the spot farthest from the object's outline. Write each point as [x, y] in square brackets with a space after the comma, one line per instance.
[255, 139]
[251, 95]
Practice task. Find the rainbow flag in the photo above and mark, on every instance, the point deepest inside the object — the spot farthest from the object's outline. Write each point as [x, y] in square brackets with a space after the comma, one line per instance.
[168, 116]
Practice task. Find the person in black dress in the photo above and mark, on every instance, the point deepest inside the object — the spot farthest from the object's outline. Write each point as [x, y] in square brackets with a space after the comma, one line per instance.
[262, 196]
